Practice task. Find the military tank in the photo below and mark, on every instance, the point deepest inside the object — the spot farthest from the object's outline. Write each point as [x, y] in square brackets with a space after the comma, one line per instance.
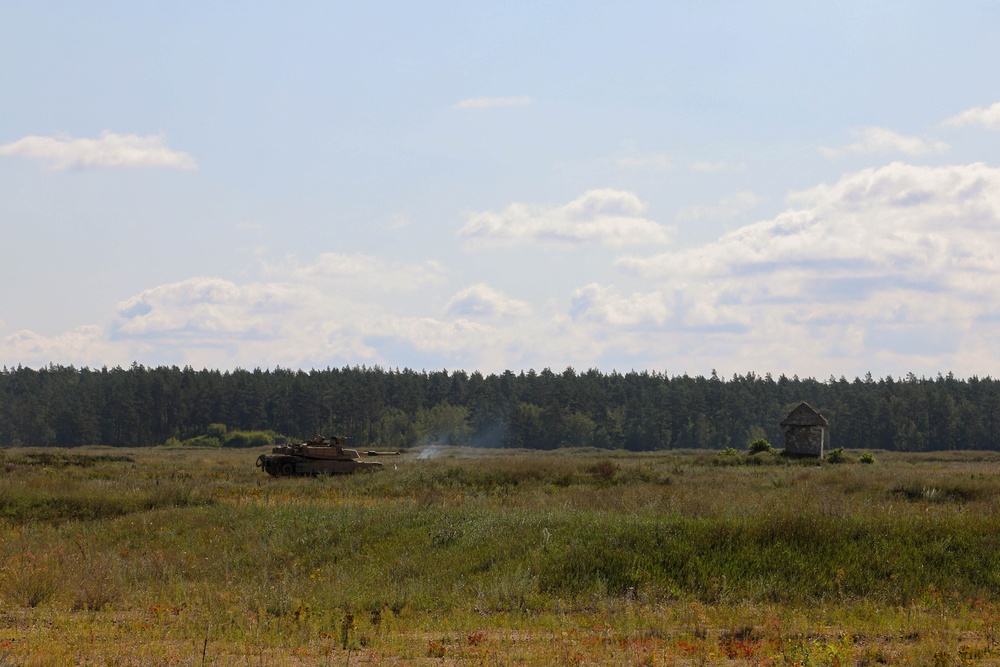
[318, 456]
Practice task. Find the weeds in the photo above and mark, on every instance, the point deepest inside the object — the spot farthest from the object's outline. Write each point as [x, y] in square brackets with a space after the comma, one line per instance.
[468, 559]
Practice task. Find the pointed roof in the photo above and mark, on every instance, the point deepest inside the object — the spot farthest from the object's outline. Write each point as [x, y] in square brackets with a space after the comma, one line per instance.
[805, 415]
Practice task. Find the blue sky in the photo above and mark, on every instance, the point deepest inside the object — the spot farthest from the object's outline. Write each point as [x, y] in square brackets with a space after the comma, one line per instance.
[771, 186]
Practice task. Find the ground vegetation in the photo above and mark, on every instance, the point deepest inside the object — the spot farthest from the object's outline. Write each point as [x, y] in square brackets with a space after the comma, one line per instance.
[190, 555]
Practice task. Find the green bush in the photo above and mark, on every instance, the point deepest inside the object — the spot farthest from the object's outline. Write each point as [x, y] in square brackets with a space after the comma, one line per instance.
[261, 439]
[759, 445]
[202, 441]
[729, 451]
[836, 456]
[867, 457]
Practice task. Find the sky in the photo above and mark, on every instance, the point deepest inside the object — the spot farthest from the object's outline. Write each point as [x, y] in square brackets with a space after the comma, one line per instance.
[678, 187]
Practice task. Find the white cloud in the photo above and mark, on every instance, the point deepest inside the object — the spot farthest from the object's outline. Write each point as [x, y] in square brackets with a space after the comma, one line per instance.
[481, 300]
[889, 269]
[894, 265]
[301, 322]
[493, 102]
[596, 303]
[988, 117]
[364, 274]
[883, 140]
[84, 345]
[110, 150]
[729, 207]
[605, 216]
[913, 219]
[207, 307]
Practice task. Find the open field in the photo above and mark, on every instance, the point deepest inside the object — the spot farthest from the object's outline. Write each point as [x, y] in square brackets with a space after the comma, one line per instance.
[488, 557]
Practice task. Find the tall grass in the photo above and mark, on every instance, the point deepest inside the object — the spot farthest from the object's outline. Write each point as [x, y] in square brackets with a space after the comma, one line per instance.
[184, 541]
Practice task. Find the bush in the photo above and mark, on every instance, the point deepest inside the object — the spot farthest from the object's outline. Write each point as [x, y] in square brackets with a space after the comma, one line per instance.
[867, 457]
[261, 439]
[836, 456]
[202, 441]
[729, 451]
[759, 445]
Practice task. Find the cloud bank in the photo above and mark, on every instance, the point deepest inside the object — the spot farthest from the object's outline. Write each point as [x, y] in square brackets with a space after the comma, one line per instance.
[884, 269]
[110, 150]
[877, 265]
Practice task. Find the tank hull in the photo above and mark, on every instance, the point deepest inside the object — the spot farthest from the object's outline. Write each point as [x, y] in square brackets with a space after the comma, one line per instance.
[286, 465]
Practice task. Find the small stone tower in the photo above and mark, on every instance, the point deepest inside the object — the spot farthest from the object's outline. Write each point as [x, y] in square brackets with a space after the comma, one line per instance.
[805, 431]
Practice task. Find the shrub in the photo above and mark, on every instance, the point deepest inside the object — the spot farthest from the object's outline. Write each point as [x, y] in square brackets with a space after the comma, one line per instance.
[867, 457]
[759, 445]
[32, 580]
[261, 439]
[836, 456]
[729, 451]
[202, 441]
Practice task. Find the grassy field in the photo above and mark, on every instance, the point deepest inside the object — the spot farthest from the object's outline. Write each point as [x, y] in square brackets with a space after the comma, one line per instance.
[482, 557]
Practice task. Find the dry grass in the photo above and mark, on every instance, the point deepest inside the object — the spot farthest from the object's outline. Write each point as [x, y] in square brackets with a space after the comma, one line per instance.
[499, 558]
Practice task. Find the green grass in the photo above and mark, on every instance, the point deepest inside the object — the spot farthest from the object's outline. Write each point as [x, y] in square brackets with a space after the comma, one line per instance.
[187, 545]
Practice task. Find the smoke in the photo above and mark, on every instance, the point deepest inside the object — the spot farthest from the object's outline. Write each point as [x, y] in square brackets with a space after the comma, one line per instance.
[429, 452]
[488, 438]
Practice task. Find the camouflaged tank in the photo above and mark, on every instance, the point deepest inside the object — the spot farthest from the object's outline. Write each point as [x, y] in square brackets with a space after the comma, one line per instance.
[318, 456]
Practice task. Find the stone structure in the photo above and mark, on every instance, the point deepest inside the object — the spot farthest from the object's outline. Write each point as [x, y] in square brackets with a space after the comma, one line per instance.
[805, 431]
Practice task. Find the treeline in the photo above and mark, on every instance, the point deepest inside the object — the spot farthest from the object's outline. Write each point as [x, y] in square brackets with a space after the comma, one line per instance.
[139, 406]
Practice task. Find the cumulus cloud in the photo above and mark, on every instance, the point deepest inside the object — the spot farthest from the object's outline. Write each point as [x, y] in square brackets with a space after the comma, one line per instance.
[359, 271]
[605, 216]
[481, 300]
[208, 307]
[493, 102]
[885, 269]
[988, 117]
[83, 345]
[910, 219]
[301, 323]
[604, 305]
[110, 150]
[878, 261]
[883, 140]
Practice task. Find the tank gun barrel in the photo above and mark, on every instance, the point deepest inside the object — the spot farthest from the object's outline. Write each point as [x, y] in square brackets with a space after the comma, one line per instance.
[381, 453]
